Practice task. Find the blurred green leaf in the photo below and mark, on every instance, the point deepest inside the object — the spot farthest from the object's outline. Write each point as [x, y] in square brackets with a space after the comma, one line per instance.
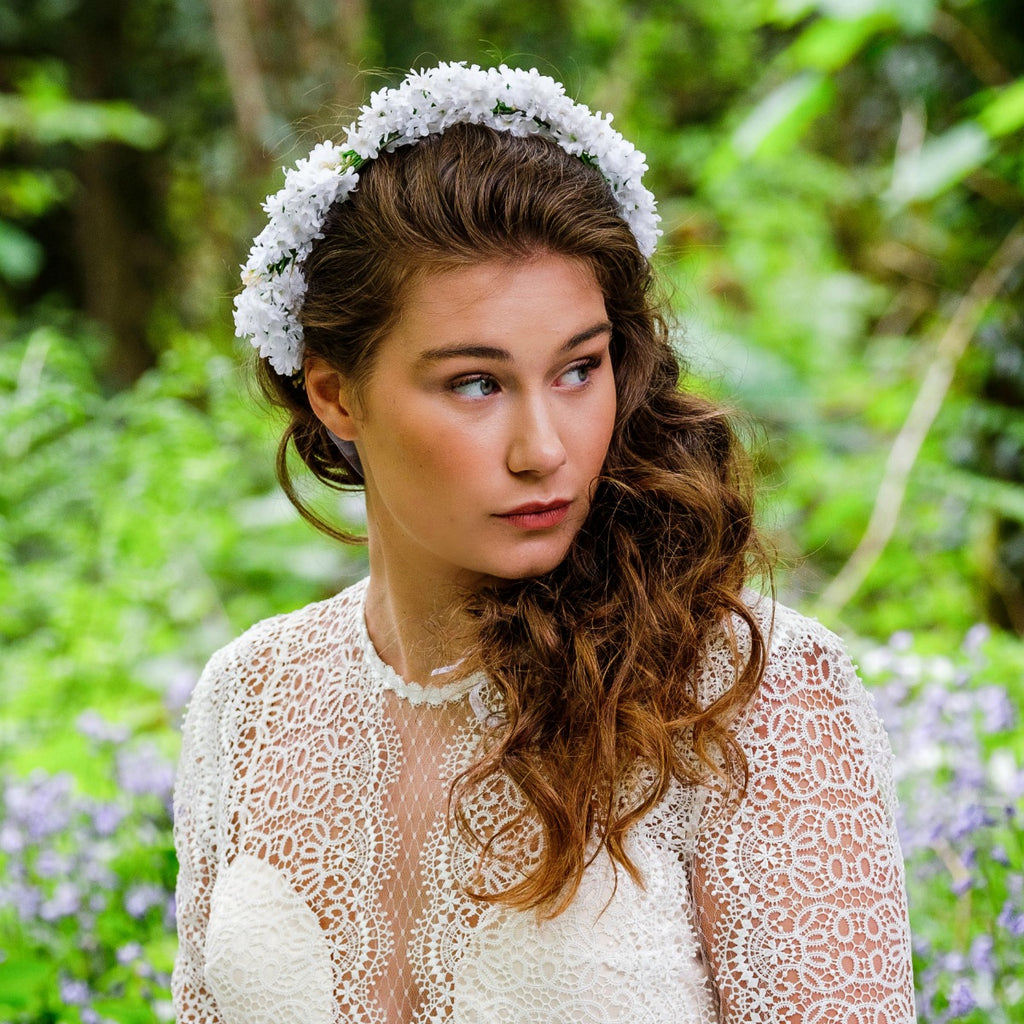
[943, 161]
[21, 256]
[913, 15]
[42, 111]
[48, 121]
[1005, 113]
[829, 43]
[1007, 499]
[788, 12]
[782, 117]
[21, 979]
[31, 192]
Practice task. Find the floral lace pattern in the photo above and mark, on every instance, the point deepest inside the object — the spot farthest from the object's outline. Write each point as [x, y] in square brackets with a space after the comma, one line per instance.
[320, 882]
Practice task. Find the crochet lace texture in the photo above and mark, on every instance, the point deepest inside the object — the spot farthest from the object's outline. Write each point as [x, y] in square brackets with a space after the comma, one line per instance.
[320, 884]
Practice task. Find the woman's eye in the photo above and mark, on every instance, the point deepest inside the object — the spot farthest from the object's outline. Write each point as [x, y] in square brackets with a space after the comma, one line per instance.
[475, 387]
[579, 374]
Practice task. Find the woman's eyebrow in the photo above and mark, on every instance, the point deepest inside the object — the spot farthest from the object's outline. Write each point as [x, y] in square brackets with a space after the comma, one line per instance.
[604, 327]
[471, 351]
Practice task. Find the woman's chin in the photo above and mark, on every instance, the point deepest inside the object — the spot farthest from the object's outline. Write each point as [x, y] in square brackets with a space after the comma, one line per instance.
[530, 569]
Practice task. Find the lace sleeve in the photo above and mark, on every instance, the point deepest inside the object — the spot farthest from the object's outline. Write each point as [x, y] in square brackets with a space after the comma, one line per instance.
[196, 806]
[800, 894]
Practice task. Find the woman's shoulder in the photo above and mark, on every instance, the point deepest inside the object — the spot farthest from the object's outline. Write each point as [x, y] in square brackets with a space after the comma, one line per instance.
[811, 688]
[296, 639]
[318, 622]
[791, 636]
[803, 656]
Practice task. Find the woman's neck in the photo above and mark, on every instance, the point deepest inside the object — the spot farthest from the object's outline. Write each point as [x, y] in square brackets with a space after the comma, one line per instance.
[416, 625]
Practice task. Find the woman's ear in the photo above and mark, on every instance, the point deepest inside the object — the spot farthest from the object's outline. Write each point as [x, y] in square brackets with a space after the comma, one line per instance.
[331, 398]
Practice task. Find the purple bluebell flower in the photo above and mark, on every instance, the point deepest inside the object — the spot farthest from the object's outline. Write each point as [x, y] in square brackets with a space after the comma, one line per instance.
[975, 639]
[144, 771]
[93, 726]
[171, 911]
[64, 859]
[1011, 917]
[51, 864]
[982, 954]
[963, 883]
[12, 838]
[66, 901]
[901, 641]
[106, 817]
[74, 992]
[961, 998]
[129, 953]
[179, 690]
[997, 710]
[96, 872]
[41, 804]
[23, 898]
[961, 804]
[140, 899]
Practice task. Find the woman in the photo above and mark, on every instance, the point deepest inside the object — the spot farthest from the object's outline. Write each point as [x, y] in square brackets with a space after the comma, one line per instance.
[551, 762]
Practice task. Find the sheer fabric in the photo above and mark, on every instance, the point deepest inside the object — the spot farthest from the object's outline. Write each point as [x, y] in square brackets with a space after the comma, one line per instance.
[319, 882]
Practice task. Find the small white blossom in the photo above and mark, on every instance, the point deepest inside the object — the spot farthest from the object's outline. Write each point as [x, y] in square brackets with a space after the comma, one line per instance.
[427, 102]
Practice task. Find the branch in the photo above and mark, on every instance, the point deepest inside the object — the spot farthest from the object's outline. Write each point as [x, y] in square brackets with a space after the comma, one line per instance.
[930, 396]
[970, 49]
[242, 68]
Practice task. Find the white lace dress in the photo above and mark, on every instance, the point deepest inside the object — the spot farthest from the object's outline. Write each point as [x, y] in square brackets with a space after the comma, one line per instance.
[319, 883]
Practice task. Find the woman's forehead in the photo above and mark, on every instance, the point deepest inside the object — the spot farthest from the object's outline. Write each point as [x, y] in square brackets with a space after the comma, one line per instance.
[493, 304]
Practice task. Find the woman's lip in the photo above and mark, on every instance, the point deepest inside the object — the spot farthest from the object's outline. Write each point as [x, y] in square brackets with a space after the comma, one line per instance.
[536, 515]
[535, 506]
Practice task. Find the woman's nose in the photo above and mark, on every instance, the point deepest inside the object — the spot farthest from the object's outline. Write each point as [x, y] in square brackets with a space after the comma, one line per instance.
[536, 442]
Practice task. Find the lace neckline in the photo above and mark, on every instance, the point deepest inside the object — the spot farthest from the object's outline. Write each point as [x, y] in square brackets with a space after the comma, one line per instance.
[415, 694]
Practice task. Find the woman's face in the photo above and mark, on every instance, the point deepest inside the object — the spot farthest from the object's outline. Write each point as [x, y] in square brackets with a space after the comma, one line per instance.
[485, 421]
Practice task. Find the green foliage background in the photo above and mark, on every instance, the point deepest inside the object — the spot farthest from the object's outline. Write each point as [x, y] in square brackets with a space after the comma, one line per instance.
[842, 185]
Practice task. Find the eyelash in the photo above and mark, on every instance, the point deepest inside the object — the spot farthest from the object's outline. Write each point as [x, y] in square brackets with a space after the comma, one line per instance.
[589, 364]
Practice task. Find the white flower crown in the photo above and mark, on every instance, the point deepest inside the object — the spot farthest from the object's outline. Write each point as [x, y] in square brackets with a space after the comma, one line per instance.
[425, 103]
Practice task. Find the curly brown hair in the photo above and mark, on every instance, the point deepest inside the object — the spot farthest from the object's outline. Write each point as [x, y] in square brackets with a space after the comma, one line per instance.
[597, 661]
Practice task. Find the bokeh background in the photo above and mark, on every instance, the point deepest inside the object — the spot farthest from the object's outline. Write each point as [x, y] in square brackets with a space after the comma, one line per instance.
[842, 186]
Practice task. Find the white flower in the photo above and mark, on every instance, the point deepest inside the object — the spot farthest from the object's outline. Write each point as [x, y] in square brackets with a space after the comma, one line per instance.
[427, 102]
